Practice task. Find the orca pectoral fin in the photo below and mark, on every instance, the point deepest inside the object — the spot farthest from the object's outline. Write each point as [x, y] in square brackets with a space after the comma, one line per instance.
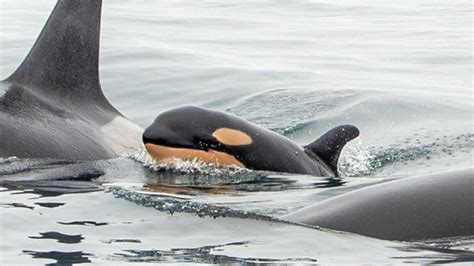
[64, 59]
[329, 146]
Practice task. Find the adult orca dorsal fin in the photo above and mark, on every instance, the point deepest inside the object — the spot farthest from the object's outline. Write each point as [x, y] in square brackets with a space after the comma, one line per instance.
[329, 146]
[64, 61]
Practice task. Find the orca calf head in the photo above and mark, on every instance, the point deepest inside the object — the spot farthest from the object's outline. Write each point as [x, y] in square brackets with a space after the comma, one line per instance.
[216, 137]
[192, 132]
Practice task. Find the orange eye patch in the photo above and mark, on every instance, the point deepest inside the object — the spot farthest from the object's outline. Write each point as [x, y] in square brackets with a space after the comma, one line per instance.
[232, 137]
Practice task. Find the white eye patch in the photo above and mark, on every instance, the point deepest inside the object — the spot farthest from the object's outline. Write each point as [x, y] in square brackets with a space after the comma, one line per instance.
[232, 137]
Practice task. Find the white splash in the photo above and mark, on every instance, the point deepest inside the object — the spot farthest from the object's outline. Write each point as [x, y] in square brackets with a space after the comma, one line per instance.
[9, 159]
[179, 166]
[357, 160]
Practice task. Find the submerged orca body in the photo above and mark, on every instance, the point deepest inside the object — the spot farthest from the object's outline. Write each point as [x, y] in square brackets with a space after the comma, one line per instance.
[217, 137]
[417, 208]
[53, 105]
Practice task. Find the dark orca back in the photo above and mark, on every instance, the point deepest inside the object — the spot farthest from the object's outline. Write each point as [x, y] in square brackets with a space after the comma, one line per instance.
[53, 105]
[412, 208]
[64, 61]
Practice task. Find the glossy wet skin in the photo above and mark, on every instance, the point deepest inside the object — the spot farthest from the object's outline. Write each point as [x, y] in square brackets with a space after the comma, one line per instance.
[411, 208]
[52, 106]
[192, 132]
[193, 127]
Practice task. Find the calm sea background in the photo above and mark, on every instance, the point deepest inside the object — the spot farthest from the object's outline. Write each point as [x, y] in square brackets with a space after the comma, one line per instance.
[401, 71]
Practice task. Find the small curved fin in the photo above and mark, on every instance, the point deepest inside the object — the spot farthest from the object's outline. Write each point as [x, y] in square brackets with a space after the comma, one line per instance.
[329, 146]
[64, 59]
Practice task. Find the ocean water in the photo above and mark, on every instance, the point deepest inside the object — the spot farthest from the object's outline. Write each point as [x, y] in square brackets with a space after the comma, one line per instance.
[401, 71]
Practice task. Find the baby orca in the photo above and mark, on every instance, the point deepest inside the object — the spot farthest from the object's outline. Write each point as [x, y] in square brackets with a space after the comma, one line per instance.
[189, 133]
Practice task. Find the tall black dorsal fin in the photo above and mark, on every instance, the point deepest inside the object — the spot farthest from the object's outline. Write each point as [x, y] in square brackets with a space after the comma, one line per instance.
[64, 59]
[329, 146]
